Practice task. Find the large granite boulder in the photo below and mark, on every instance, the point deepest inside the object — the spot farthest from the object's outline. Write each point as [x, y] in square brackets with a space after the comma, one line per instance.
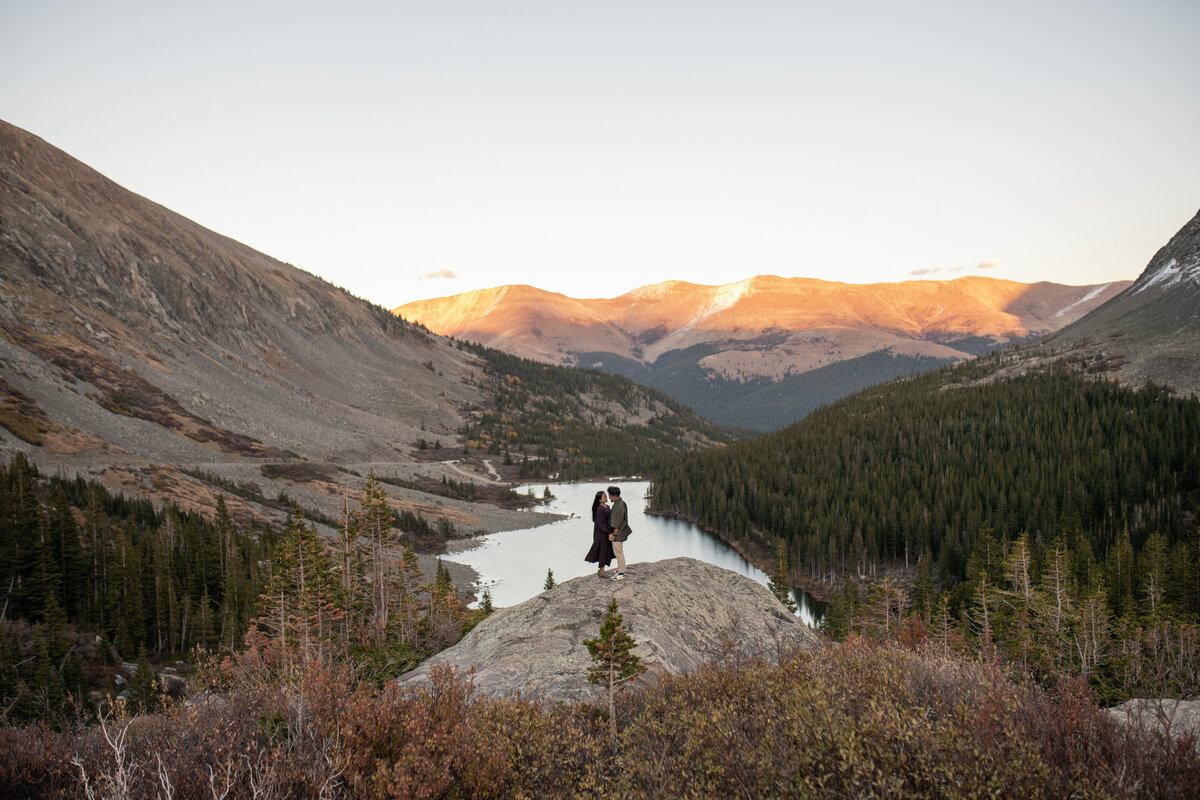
[1176, 718]
[683, 613]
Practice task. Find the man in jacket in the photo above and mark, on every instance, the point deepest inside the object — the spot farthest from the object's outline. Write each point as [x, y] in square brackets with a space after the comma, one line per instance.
[618, 519]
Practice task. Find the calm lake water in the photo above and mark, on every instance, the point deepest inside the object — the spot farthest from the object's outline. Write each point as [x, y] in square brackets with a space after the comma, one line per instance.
[513, 564]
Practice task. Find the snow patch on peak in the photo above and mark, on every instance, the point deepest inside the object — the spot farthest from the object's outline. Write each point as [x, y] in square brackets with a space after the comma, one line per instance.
[1170, 274]
[723, 297]
[1092, 294]
[726, 296]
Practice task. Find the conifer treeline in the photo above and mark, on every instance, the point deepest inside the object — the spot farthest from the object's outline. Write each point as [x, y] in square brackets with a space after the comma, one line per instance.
[73, 553]
[1048, 619]
[77, 558]
[924, 467]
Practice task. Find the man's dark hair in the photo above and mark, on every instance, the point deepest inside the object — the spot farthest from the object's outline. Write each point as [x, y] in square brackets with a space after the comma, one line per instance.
[615, 490]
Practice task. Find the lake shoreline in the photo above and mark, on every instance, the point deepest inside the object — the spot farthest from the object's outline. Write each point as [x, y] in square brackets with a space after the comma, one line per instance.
[514, 565]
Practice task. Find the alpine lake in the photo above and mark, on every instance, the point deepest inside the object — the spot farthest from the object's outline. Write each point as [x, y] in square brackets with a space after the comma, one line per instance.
[512, 565]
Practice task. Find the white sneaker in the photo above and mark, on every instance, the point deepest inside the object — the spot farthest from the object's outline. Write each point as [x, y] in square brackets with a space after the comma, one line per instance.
[620, 576]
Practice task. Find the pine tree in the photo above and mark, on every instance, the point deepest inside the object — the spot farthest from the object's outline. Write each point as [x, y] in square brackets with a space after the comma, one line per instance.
[64, 535]
[983, 618]
[406, 594]
[780, 583]
[885, 608]
[1119, 575]
[1017, 603]
[941, 625]
[446, 614]
[376, 528]
[21, 556]
[48, 694]
[842, 615]
[1054, 607]
[298, 610]
[1155, 566]
[1091, 631]
[550, 583]
[613, 662]
[923, 590]
[146, 690]
[350, 570]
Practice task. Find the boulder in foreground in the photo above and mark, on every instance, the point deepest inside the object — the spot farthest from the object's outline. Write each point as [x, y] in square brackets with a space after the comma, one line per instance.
[682, 612]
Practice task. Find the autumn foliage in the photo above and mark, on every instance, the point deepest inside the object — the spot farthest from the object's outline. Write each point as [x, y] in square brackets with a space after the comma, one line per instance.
[859, 720]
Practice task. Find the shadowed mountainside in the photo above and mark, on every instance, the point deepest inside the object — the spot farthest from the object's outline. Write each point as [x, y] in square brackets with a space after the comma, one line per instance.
[136, 342]
[1150, 331]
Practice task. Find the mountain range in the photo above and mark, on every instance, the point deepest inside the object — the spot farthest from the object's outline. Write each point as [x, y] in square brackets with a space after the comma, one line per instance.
[763, 351]
[137, 344]
[143, 349]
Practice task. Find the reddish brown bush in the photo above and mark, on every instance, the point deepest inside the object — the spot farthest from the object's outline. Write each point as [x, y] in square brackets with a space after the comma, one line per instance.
[859, 720]
[35, 761]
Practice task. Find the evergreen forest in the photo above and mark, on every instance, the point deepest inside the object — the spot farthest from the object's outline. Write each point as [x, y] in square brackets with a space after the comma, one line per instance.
[74, 556]
[101, 591]
[986, 509]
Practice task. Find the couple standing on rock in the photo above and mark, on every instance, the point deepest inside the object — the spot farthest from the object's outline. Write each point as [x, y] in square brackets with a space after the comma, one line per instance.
[609, 532]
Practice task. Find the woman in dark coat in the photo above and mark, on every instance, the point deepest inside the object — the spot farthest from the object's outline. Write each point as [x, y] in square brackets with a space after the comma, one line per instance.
[602, 549]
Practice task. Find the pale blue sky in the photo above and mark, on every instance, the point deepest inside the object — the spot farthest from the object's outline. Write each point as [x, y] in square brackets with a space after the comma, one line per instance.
[590, 147]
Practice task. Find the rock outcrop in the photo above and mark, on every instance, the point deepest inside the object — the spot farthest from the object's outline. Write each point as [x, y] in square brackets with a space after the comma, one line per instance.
[683, 613]
[1175, 718]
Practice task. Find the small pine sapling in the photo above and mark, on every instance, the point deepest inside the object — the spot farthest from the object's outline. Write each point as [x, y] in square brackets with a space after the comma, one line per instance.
[550, 582]
[613, 662]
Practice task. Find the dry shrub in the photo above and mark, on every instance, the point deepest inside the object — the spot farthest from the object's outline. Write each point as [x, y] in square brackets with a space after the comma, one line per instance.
[399, 743]
[547, 750]
[858, 720]
[864, 720]
[35, 761]
[252, 740]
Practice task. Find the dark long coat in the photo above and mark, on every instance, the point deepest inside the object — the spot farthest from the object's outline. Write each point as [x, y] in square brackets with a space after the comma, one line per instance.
[602, 550]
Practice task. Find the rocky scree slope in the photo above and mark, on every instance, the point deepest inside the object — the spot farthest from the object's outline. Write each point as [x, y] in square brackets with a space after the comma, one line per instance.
[141, 316]
[131, 338]
[1151, 330]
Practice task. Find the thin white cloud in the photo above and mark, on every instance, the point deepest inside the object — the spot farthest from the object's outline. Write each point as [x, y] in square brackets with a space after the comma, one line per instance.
[961, 267]
[439, 274]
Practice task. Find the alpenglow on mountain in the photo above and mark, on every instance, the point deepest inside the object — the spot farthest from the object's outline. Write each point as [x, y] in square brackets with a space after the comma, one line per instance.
[764, 351]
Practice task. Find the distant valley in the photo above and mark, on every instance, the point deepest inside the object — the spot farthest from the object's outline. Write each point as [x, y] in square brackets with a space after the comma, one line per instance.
[765, 351]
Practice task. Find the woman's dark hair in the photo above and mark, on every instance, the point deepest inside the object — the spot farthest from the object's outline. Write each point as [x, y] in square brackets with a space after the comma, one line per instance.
[596, 502]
